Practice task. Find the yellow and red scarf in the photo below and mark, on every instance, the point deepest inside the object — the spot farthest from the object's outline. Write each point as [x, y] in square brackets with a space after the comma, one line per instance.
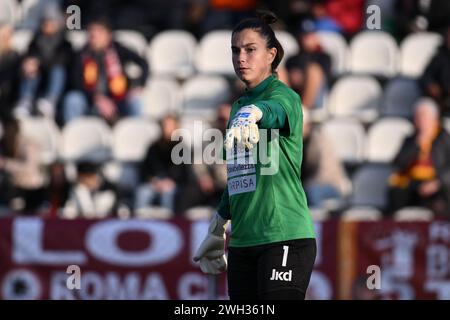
[117, 82]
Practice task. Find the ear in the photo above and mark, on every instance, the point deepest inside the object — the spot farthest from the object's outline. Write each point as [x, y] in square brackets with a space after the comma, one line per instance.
[272, 53]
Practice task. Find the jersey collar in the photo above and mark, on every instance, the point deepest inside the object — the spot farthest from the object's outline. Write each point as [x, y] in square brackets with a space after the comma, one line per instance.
[260, 87]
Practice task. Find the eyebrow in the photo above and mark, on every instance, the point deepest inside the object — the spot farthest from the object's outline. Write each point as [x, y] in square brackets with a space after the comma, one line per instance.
[245, 45]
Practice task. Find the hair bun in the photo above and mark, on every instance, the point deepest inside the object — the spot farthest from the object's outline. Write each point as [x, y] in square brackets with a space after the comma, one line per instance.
[266, 16]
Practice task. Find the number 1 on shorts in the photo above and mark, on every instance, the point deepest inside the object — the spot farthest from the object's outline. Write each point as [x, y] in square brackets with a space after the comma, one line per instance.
[285, 255]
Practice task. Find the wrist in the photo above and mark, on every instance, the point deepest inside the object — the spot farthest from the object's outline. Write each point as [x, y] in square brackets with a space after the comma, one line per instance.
[218, 225]
[253, 111]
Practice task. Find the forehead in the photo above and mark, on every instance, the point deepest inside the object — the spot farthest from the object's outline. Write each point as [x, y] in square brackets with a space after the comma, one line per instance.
[246, 36]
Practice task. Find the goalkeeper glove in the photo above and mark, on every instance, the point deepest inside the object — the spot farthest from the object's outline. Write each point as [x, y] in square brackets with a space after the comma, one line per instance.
[211, 253]
[243, 128]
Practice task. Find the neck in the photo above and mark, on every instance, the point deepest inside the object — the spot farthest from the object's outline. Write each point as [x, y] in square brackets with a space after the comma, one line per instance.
[251, 85]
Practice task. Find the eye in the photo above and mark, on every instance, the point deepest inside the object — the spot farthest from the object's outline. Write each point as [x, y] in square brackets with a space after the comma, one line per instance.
[249, 50]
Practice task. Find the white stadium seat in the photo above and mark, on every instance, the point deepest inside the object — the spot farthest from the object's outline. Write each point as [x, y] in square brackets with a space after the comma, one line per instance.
[289, 44]
[374, 52]
[385, 138]
[131, 138]
[21, 39]
[45, 133]
[86, 138]
[202, 94]
[347, 135]
[362, 213]
[160, 97]
[355, 96]
[447, 124]
[172, 53]
[132, 40]
[214, 53]
[8, 11]
[400, 94]
[416, 50]
[370, 184]
[335, 45]
[78, 38]
[409, 214]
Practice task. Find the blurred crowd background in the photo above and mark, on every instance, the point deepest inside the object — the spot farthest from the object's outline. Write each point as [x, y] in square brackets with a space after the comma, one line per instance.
[87, 115]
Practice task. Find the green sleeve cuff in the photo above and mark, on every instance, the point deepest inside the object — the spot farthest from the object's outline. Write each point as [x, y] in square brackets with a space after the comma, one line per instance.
[224, 206]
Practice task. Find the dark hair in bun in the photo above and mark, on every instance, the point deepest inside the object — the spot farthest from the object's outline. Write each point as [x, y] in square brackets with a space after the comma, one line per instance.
[261, 24]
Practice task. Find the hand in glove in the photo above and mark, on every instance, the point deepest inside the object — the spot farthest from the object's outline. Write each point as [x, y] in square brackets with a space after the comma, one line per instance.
[243, 128]
[211, 253]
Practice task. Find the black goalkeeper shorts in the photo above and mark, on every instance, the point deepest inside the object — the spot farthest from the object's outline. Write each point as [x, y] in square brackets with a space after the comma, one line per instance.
[274, 271]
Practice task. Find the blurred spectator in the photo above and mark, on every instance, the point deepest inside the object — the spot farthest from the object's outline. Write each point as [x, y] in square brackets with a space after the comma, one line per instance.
[349, 14]
[422, 176]
[309, 71]
[88, 199]
[211, 178]
[102, 86]
[23, 178]
[44, 68]
[58, 188]
[436, 79]
[417, 15]
[320, 18]
[323, 174]
[222, 14]
[9, 78]
[161, 179]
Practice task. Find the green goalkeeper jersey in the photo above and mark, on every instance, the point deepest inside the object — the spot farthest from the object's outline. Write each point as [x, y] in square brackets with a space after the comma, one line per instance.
[264, 197]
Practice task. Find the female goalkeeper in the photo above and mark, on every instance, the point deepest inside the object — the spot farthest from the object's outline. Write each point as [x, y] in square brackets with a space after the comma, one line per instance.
[272, 246]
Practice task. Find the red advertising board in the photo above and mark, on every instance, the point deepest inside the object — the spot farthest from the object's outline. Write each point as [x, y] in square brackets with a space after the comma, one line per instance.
[123, 259]
[413, 259]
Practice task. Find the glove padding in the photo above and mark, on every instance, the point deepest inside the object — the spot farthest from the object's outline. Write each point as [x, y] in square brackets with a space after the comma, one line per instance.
[243, 128]
[211, 253]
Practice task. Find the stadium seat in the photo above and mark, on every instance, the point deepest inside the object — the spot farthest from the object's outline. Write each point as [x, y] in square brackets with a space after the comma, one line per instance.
[289, 44]
[78, 38]
[347, 135]
[373, 52]
[202, 94]
[161, 96]
[362, 213]
[399, 97]
[193, 130]
[385, 138]
[29, 12]
[335, 45]
[199, 213]
[409, 214]
[46, 134]
[370, 184]
[8, 11]
[318, 214]
[172, 53]
[21, 39]
[132, 40]
[447, 124]
[131, 138]
[154, 213]
[416, 50]
[355, 96]
[214, 53]
[86, 138]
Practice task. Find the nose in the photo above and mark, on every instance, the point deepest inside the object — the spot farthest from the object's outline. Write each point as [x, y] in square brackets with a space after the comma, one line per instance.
[241, 56]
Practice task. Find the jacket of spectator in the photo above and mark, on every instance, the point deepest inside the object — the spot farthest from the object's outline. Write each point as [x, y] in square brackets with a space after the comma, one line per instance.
[104, 72]
[437, 77]
[440, 156]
